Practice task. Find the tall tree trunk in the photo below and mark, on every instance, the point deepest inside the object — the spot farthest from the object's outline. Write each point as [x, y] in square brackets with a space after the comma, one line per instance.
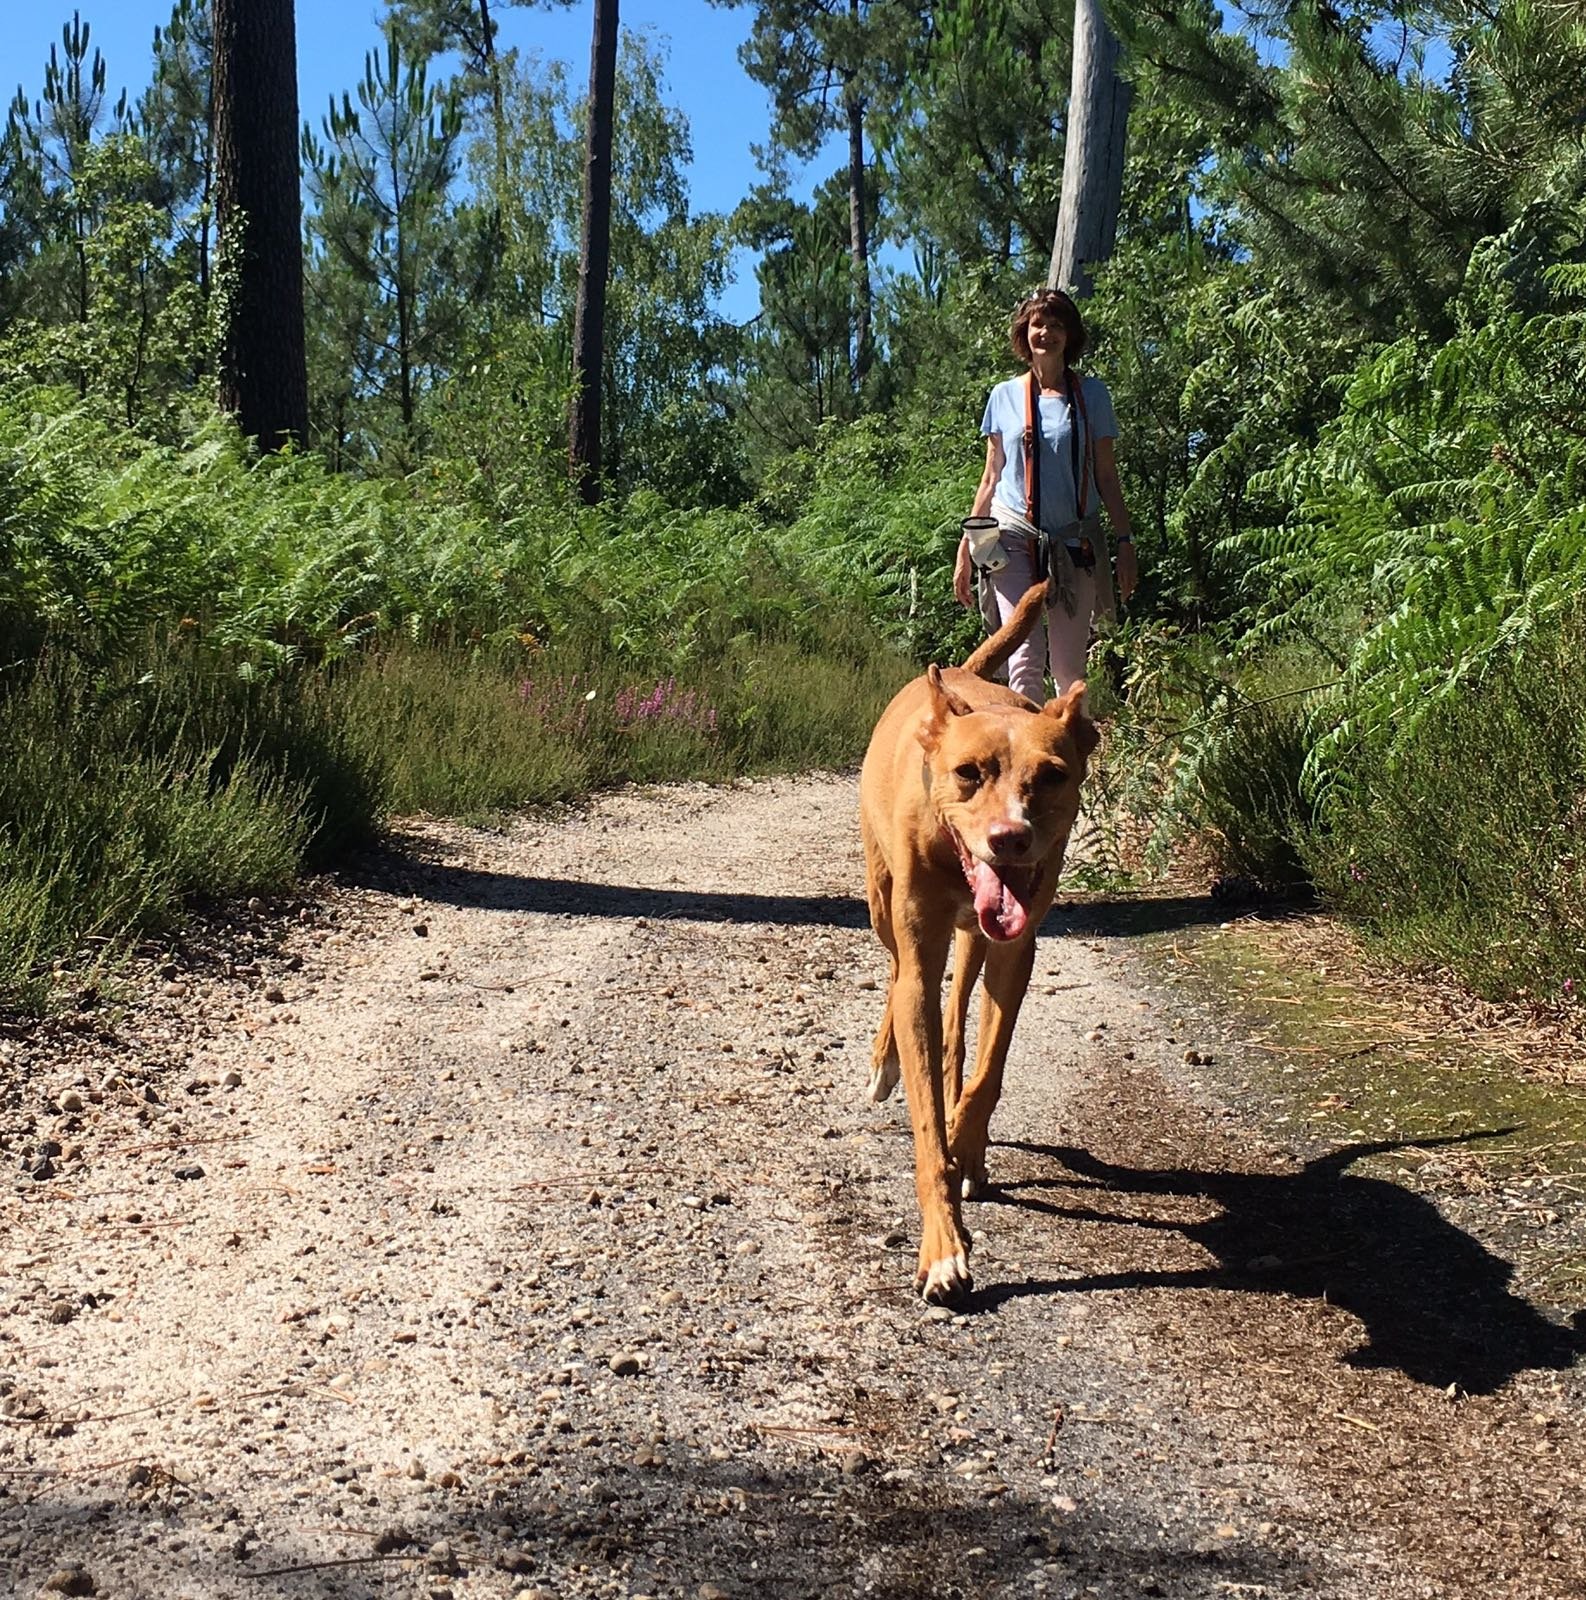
[589, 320]
[858, 231]
[1098, 125]
[498, 107]
[259, 219]
[858, 236]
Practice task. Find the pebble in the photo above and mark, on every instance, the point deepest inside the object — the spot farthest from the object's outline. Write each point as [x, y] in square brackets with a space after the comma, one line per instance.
[70, 1580]
[626, 1365]
[441, 1558]
[232, 1080]
[60, 1313]
[71, 1102]
[275, 994]
[189, 1173]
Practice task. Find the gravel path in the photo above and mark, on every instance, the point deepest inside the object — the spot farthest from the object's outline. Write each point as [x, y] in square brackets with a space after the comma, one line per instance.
[516, 1224]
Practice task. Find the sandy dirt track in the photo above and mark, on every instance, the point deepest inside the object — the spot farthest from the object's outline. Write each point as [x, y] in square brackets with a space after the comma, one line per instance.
[515, 1223]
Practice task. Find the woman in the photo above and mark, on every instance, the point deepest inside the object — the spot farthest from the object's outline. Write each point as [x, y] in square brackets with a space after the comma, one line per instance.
[1074, 467]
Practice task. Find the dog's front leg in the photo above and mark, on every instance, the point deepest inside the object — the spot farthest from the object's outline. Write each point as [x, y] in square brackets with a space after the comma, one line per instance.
[1008, 969]
[969, 951]
[943, 1273]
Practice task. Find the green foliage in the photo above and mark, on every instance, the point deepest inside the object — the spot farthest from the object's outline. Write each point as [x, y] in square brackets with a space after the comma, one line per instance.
[1459, 846]
[225, 665]
[873, 513]
[1444, 505]
[975, 138]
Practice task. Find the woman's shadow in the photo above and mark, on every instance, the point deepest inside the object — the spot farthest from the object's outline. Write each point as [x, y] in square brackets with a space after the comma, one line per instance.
[1434, 1302]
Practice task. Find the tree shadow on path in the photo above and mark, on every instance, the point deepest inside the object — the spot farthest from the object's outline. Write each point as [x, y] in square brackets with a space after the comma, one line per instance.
[1434, 1303]
[444, 883]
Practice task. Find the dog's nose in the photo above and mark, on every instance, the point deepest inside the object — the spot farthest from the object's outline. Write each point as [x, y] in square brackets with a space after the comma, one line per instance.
[1008, 838]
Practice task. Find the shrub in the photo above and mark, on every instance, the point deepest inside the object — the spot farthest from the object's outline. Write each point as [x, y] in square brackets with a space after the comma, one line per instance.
[128, 792]
[1461, 846]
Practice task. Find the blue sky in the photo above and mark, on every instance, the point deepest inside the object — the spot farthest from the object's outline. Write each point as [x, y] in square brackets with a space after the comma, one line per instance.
[727, 111]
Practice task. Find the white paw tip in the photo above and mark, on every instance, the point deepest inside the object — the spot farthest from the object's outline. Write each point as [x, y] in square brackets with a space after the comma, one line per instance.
[948, 1280]
[883, 1080]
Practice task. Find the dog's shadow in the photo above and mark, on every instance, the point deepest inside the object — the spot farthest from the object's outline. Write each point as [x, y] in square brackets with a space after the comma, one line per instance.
[1434, 1303]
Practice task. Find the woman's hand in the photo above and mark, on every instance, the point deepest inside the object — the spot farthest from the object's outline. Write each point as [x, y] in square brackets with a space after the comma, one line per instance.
[1128, 568]
[962, 586]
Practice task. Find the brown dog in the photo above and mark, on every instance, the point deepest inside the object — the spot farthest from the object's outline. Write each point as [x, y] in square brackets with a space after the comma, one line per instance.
[966, 801]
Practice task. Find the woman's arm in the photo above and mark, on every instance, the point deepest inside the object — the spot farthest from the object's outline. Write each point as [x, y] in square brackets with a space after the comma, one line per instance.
[982, 507]
[995, 461]
[1111, 492]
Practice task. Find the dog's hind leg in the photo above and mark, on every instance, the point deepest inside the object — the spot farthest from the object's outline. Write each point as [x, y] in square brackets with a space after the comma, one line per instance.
[1008, 969]
[884, 1054]
[969, 952]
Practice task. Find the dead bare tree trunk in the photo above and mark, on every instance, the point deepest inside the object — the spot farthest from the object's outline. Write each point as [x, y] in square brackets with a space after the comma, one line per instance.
[1098, 125]
[589, 318]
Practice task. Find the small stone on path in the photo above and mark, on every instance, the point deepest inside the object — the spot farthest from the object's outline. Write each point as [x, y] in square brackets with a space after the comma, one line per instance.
[70, 1580]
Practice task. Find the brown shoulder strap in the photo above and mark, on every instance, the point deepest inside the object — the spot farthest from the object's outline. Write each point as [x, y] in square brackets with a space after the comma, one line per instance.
[1079, 419]
[1032, 450]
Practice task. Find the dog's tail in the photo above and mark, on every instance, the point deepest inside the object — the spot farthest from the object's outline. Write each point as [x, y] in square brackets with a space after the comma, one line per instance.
[995, 650]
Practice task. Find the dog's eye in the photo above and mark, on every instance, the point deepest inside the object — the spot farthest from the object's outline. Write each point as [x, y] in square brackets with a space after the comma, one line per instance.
[967, 773]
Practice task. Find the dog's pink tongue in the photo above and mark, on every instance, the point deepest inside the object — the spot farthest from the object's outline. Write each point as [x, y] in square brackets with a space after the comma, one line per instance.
[998, 909]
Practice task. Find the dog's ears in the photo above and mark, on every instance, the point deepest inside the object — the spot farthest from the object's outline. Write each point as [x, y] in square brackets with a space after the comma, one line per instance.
[943, 703]
[1070, 708]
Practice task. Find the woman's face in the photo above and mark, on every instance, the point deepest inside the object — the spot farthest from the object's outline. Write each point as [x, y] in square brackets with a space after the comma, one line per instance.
[1047, 332]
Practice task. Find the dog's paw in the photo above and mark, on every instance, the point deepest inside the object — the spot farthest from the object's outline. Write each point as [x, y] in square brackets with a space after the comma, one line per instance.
[945, 1282]
[969, 1162]
[883, 1079]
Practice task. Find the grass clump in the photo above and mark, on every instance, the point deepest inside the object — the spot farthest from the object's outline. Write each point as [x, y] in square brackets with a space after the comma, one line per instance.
[132, 790]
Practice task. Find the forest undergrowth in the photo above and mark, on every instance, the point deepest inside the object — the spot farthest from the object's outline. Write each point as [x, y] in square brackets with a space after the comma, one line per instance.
[1343, 326]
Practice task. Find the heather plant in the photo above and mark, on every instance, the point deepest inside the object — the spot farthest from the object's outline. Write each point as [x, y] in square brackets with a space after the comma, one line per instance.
[129, 790]
[666, 704]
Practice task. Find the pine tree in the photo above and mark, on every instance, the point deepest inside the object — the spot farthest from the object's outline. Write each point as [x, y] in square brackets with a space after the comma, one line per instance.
[826, 63]
[176, 122]
[974, 139]
[385, 217]
[51, 202]
[594, 259]
[259, 218]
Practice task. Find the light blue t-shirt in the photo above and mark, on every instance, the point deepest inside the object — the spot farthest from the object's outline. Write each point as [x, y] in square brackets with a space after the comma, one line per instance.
[1005, 419]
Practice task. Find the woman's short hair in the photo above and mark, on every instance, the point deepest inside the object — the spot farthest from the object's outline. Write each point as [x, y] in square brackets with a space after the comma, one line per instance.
[1058, 303]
